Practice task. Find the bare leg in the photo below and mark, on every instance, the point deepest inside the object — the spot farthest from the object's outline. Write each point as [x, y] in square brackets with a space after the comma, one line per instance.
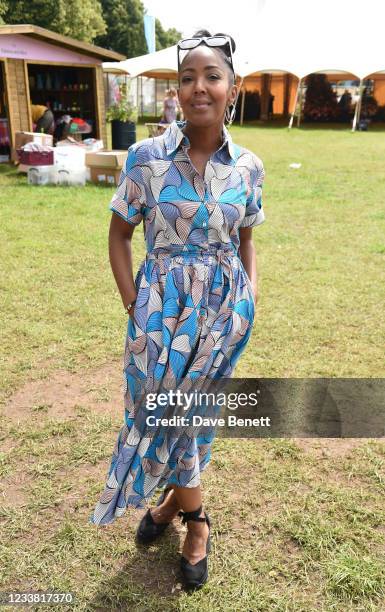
[165, 512]
[194, 548]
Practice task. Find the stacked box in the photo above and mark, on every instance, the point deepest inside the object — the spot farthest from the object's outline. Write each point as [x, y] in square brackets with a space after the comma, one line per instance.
[106, 166]
[35, 158]
[21, 138]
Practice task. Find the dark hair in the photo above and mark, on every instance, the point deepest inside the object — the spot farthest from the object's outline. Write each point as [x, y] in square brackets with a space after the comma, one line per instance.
[220, 50]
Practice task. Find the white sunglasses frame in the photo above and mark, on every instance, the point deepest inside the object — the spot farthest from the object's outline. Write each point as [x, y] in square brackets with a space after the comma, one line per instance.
[205, 39]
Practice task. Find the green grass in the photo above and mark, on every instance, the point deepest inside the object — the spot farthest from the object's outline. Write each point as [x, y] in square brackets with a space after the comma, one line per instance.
[292, 530]
[320, 257]
[294, 533]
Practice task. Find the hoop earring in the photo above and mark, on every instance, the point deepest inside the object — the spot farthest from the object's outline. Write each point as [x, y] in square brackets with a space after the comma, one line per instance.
[230, 115]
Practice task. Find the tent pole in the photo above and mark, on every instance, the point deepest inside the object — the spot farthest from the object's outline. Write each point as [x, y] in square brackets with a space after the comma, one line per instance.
[137, 93]
[300, 106]
[295, 106]
[239, 89]
[286, 93]
[357, 111]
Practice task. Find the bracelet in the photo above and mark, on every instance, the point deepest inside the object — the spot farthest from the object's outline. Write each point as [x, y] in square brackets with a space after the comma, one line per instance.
[127, 308]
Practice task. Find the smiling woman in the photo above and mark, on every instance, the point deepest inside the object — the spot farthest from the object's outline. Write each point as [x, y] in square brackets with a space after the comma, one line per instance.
[192, 303]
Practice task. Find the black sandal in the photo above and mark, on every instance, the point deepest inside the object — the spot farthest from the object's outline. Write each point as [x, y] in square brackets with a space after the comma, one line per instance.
[148, 530]
[195, 575]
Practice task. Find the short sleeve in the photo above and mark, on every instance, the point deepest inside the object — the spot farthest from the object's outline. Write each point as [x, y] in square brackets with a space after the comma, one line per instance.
[127, 200]
[254, 210]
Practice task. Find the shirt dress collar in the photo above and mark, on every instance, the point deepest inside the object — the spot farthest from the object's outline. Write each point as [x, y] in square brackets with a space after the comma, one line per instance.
[174, 138]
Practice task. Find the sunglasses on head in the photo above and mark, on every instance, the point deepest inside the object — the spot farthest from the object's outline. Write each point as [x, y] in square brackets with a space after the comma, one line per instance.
[211, 41]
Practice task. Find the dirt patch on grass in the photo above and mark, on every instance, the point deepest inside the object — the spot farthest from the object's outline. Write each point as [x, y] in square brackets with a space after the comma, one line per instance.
[14, 491]
[59, 397]
[329, 447]
[100, 391]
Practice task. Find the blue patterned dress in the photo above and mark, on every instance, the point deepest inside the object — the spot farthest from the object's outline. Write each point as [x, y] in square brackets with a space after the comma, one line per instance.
[194, 310]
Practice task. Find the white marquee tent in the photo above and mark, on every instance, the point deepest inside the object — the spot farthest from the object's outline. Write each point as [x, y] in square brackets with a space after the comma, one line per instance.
[337, 38]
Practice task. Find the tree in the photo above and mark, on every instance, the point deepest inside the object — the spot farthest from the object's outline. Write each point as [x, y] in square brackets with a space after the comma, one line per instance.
[125, 28]
[3, 10]
[112, 24]
[165, 38]
[80, 19]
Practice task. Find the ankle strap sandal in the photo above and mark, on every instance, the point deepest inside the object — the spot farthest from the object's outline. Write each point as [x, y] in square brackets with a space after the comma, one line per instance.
[192, 516]
[196, 575]
[148, 530]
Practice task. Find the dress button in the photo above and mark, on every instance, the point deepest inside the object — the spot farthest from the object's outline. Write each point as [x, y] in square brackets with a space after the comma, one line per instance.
[204, 224]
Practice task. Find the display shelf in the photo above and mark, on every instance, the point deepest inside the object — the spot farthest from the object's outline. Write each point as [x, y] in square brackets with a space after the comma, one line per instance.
[66, 91]
[70, 110]
[70, 91]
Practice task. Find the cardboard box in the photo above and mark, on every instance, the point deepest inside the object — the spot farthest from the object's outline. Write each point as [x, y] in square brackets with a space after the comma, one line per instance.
[70, 155]
[21, 138]
[105, 176]
[106, 159]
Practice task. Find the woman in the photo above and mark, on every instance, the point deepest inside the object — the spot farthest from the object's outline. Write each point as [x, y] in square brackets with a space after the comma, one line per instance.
[191, 305]
[170, 106]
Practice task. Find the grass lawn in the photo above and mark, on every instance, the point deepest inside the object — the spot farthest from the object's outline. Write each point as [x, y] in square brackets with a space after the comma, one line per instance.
[298, 525]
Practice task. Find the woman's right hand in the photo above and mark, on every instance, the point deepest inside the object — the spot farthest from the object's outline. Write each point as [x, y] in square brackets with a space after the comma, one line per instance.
[131, 311]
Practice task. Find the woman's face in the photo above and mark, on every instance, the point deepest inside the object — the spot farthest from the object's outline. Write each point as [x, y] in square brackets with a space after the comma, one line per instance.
[204, 87]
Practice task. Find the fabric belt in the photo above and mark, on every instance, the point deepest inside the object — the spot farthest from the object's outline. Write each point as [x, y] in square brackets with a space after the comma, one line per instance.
[176, 250]
[222, 253]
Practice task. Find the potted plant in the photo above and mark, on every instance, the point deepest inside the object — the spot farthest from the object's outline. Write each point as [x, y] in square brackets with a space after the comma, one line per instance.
[122, 116]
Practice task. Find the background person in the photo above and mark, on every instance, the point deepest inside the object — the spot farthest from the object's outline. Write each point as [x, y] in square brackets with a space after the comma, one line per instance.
[171, 107]
[43, 118]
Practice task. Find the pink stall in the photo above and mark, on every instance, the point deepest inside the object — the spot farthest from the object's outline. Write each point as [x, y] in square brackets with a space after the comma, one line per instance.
[40, 68]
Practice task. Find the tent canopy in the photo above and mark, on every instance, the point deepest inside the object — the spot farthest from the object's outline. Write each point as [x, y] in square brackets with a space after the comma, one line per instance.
[163, 63]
